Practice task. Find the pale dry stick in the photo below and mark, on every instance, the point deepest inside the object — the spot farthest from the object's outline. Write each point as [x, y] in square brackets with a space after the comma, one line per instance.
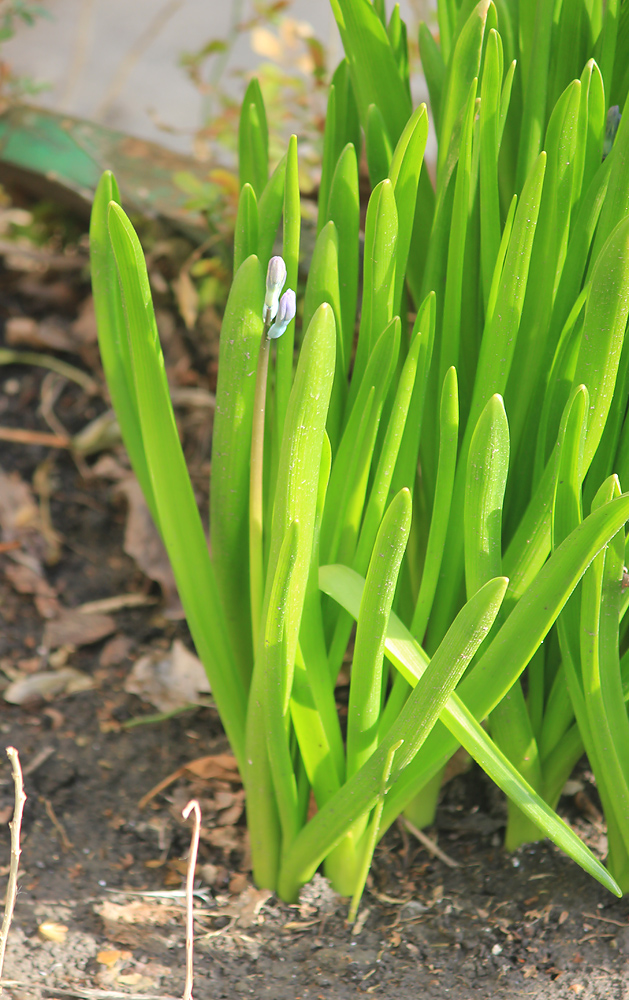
[430, 845]
[193, 806]
[15, 825]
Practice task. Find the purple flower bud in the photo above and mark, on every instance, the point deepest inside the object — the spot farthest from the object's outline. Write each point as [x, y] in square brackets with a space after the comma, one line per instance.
[285, 313]
[275, 279]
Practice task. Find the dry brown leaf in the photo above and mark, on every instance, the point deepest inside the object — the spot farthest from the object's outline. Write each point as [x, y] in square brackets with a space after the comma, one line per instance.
[169, 679]
[52, 931]
[84, 329]
[47, 684]
[187, 299]
[128, 923]
[227, 838]
[245, 909]
[220, 765]
[73, 628]
[115, 650]
[20, 520]
[27, 580]
[24, 331]
[110, 957]
[143, 543]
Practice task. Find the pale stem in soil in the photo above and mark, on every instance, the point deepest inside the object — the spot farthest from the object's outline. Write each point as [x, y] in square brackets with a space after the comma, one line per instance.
[193, 806]
[15, 826]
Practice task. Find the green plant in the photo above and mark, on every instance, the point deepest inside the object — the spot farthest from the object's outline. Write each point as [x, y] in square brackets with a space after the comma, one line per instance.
[425, 481]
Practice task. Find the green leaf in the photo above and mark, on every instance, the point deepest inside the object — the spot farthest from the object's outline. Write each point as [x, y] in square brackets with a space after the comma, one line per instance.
[113, 341]
[246, 231]
[366, 46]
[404, 173]
[462, 68]
[486, 480]
[346, 587]
[253, 140]
[448, 447]
[378, 145]
[178, 515]
[418, 716]
[344, 211]
[241, 334]
[365, 693]
[323, 286]
[290, 252]
[434, 69]
[603, 332]
[381, 229]
[275, 672]
[270, 211]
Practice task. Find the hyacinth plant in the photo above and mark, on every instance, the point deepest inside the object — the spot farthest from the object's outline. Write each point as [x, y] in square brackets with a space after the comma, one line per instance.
[433, 453]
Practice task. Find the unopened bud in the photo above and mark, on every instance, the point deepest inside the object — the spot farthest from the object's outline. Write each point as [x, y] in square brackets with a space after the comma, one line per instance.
[275, 279]
[285, 313]
[611, 127]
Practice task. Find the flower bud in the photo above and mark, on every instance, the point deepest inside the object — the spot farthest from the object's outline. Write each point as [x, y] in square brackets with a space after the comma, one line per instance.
[275, 278]
[611, 128]
[285, 313]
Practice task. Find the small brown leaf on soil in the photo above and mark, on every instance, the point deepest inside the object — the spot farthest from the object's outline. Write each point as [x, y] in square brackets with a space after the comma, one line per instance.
[129, 923]
[45, 685]
[228, 838]
[112, 956]
[169, 680]
[52, 931]
[84, 328]
[49, 335]
[115, 650]
[20, 519]
[143, 543]
[73, 628]
[220, 765]
[187, 299]
[245, 909]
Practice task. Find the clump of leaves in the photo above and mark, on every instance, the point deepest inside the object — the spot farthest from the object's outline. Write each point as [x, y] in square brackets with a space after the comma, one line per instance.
[450, 478]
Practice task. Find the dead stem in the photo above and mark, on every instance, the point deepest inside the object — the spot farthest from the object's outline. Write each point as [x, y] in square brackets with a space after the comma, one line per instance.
[15, 826]
[193, 806]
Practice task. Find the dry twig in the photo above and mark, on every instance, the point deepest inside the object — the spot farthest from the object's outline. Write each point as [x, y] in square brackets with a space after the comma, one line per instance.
[193, 806]
[430, 845]
[15, 825]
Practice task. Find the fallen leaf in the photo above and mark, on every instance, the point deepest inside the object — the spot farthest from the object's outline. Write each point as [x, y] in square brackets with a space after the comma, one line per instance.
[84, 329]
[52, 931]
[115, 650]
[20, 520]
[127, 923]
[143, 543]
[220, 765]
[187, 299]
[73, 628]
[169, 680]
[46, 685]
[245, 909]
[24, 331]
[111, 957]
[227, 838]
[26, 580]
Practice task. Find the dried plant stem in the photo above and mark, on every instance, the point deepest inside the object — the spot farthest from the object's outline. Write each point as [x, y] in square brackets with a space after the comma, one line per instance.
[15, 826]
[193, 806]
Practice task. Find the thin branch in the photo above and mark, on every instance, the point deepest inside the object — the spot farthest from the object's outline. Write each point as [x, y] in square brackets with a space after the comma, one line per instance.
[430, 845]
[15, 826]
[193, 805]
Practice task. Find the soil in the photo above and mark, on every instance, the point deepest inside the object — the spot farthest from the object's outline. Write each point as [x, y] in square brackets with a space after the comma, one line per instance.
[99, 911]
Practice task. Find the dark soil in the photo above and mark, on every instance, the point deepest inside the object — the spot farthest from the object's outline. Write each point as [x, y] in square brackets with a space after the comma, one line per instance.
[526, 925]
